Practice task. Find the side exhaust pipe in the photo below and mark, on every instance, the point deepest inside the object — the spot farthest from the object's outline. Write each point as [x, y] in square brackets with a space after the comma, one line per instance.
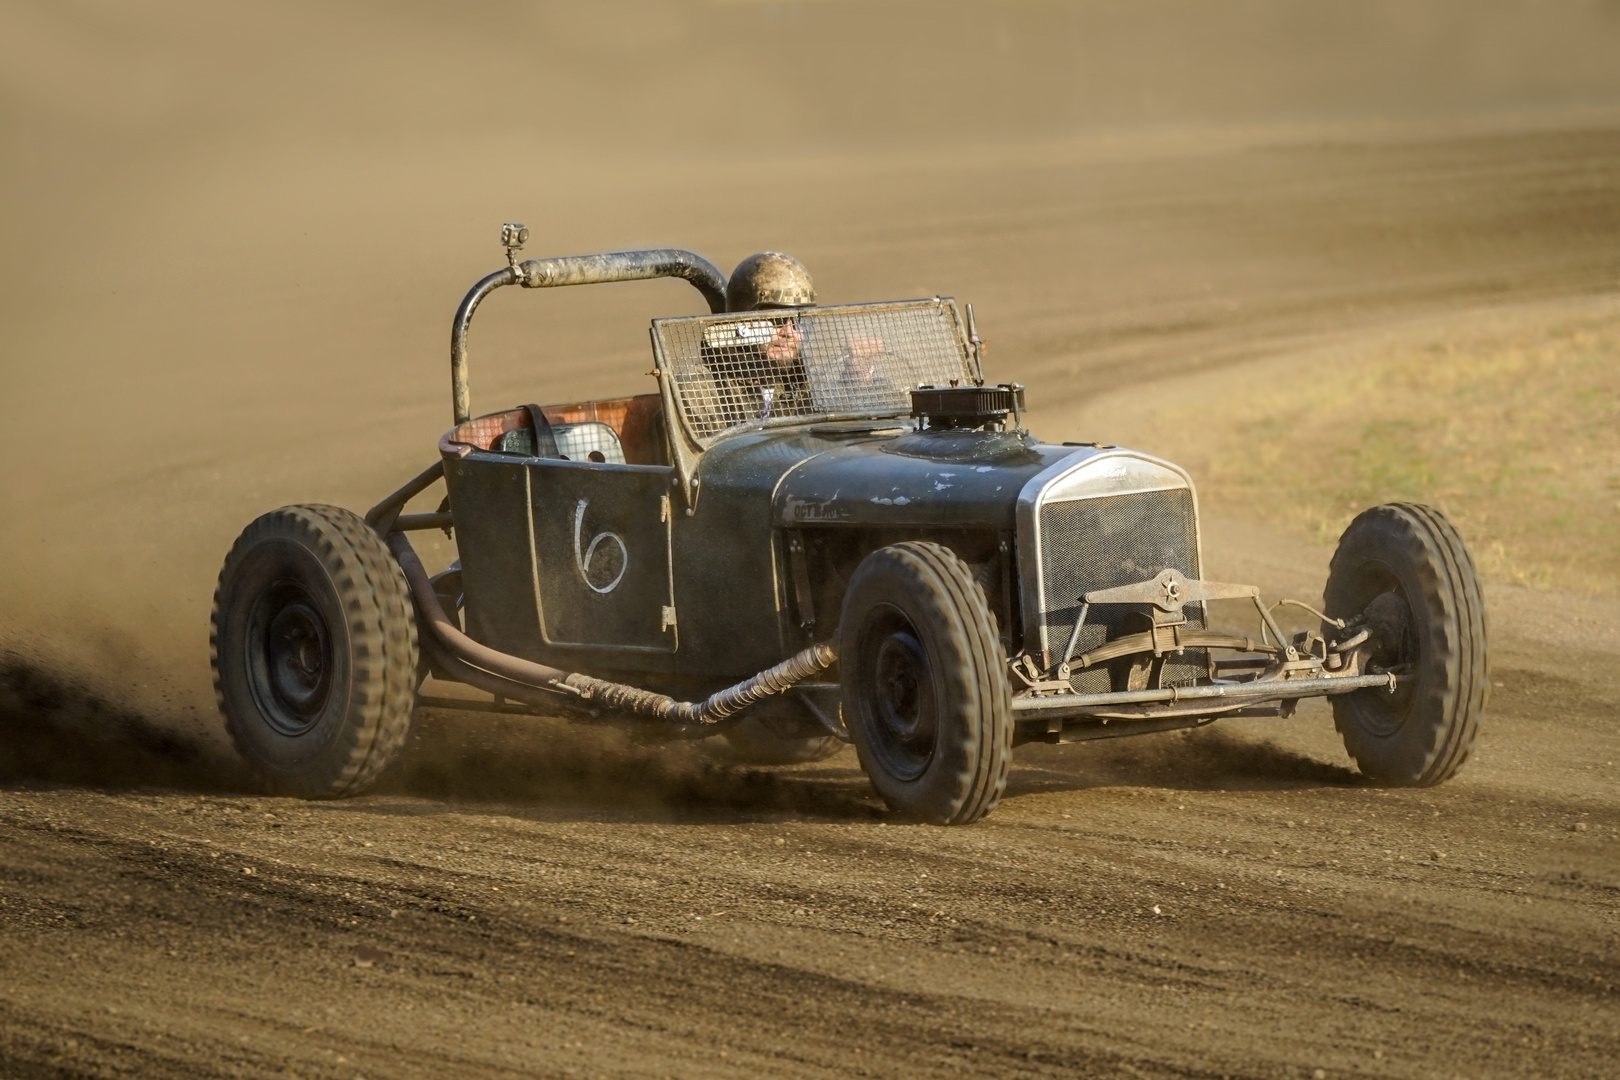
[536, 684]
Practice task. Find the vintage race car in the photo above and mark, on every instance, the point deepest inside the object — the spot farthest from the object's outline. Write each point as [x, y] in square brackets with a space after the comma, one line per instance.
[822, 526]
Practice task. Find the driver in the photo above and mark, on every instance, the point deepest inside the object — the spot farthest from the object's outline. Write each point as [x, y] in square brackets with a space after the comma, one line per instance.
[759, 364]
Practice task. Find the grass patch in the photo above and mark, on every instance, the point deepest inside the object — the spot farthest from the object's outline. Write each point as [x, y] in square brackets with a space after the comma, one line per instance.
[1517, 440]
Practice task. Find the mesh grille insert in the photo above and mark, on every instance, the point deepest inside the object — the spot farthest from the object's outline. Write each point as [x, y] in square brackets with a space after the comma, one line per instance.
[1103, 542]
[738, 370]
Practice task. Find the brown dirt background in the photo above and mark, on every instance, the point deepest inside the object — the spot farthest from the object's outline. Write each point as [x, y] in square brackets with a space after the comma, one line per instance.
[231, 239]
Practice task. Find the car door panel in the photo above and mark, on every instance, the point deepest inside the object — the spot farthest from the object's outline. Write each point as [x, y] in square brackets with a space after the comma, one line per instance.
[600, 554]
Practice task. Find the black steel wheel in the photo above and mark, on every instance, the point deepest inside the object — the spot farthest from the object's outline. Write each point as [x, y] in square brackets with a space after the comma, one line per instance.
[1403, 571]
[924, 683]
[314, 651]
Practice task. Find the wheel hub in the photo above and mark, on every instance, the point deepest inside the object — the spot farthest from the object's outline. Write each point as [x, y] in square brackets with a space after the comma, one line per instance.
[295, 662]
[901, 696]
[1388, 618]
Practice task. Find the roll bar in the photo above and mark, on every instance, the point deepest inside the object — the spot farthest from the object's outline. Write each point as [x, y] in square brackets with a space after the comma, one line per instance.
[576, 270]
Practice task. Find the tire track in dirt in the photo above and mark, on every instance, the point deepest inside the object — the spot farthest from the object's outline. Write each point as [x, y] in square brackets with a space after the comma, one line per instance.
[161, 895]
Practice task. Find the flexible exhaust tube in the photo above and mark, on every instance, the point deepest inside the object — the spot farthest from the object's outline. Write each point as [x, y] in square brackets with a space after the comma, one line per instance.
[501, 673]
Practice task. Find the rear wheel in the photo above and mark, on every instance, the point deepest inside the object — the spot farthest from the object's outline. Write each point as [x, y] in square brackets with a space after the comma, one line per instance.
[924, 684]
[314, 651]
[1403, 571]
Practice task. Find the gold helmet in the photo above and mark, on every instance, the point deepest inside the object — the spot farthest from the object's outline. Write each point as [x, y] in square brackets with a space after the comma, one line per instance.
[769, 280]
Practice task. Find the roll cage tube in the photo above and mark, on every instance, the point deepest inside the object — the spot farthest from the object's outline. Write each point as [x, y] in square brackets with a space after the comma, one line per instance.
[576, 270]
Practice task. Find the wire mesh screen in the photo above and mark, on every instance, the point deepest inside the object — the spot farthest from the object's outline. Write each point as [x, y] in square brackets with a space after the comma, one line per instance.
[588, 441]
[766, 367]
[1100, 543]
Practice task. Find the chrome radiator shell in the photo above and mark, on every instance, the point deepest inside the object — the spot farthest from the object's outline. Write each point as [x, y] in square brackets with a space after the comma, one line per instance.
[1096, 519]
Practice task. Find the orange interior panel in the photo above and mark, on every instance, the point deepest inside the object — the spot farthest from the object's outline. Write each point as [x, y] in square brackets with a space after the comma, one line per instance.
[634, 419]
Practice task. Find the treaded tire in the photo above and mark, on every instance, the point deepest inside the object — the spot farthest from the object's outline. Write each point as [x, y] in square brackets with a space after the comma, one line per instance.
[314, 650]
[754, 741]
[1421, 734]
[924, 684]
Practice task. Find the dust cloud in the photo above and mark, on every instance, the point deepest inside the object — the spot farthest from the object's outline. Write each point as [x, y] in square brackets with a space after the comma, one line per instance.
[1197, 759]
[56, 730]
[608, 770]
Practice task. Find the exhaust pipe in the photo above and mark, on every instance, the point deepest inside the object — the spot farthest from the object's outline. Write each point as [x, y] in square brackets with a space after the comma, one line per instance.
[524, 680]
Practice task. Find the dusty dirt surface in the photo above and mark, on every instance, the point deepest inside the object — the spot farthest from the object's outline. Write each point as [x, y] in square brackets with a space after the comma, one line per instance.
[233, 240]
[529, 899]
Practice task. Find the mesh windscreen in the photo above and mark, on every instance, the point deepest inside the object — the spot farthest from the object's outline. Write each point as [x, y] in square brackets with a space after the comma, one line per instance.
[1100, 543]
[778, 366]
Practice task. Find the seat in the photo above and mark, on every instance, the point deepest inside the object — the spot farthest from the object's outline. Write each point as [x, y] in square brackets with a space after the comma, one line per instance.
[589, 440]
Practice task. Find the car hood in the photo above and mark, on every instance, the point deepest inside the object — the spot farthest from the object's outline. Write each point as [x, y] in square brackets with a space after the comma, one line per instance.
[949, 478]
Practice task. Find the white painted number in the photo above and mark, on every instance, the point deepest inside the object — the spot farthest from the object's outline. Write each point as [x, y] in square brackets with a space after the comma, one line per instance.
[584, 553]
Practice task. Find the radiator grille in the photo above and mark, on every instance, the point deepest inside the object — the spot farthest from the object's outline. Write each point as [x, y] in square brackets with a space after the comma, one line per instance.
[1113, 540]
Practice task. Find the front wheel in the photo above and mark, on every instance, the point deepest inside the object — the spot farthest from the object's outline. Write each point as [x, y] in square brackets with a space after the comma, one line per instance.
[924, 684]
[314, 651]
[1403, 572]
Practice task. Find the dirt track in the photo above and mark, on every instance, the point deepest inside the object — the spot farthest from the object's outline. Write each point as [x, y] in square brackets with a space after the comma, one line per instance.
[528, 898]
